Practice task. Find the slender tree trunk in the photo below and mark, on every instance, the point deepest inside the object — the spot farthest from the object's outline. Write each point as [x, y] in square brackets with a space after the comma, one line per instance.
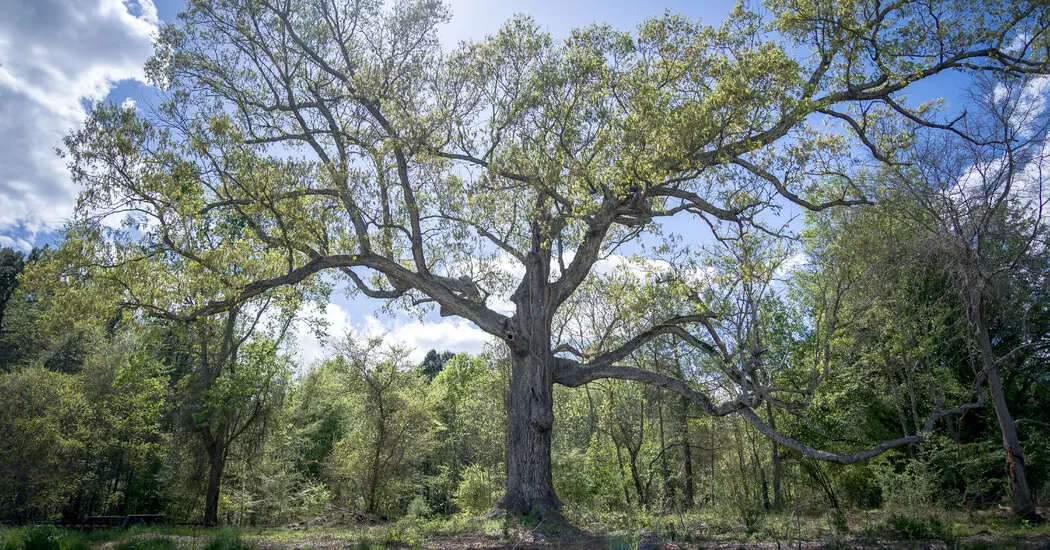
[636, 477]
[374, 474]
[216, 464]
[530, 416]
[820, 478]
[632, 452]
[761, 473]
[777, 497]
[688, 489]
[711, 485]
[687, 453]
[1024, 505]
[623, 478]
[216, 442]
[744, 478]
[665, 471]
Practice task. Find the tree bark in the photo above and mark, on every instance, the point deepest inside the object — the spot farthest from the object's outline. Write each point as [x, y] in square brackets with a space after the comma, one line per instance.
[530, 401]
[636, 477]
[665, 472]
[687, 453]
[1024, 504]
[761, 472]
[530, 416]
[777, 499]
[376, 466]
[623, 478]
[216, 465]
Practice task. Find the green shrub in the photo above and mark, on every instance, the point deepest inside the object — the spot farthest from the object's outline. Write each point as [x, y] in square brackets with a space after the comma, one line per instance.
[836, 520]
[533, 518]
[752, 515]
[478, 491]
[41, 537]
[572, 480]
[417, 507]
[917, 527]
[228, 541]
[910, 489]
[859, 486]
[401, 535]
[10, 539]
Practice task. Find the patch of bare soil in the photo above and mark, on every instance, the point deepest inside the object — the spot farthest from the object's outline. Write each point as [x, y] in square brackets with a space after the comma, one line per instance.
[1035, 542]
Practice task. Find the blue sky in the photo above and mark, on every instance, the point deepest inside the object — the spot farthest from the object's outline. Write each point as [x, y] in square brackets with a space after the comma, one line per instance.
[58, 56]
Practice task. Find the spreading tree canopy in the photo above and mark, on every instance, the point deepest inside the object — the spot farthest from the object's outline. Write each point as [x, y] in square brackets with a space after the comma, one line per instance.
[302, 137]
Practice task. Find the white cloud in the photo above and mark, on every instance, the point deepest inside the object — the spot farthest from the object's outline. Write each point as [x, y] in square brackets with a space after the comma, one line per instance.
[638, 266]
[420, 336]
[17, 244]
[56, 56]
[1028, 106]
[790, 264]
[313, 341]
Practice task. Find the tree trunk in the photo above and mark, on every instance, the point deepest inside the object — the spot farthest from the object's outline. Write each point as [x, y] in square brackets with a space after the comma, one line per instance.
[374, 473]
[636, 477]
[623, 478]
[687, 453]
[821, 479]
[777, 499]
[665, 472]
[762, 478]
[760, 469]
[530, 401]
[530, 416]
[216, 464]
[711, 484]
[1024, 505]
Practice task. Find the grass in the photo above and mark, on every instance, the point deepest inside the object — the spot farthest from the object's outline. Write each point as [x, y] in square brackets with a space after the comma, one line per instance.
[621, 531]
[42, 537]
[156, 543]
[49, 537]
[833, 529]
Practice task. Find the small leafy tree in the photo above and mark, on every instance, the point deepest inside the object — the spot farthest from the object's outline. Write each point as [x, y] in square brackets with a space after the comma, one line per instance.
[391, 427]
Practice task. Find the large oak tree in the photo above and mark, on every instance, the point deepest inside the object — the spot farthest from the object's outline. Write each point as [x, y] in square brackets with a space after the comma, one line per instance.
[303, 137]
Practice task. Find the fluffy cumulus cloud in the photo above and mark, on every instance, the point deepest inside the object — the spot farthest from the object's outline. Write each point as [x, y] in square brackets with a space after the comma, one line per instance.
[422, 336]
[318, 330]
[14, 242]
[56, 58]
